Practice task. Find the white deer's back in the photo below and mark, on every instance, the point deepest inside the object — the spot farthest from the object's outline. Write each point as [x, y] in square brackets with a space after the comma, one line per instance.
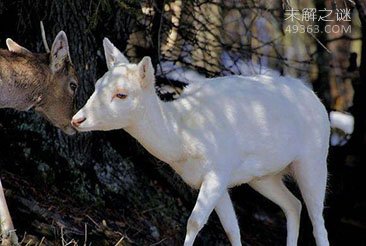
[261, 123]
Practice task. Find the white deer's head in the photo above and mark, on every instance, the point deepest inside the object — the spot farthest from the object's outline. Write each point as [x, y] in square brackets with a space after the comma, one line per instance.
[119, 94]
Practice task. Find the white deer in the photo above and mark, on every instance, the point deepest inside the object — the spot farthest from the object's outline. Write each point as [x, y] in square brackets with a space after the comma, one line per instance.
[221, 133]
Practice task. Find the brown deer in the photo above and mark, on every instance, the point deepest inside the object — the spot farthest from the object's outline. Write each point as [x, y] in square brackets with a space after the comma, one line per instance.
[46, 82]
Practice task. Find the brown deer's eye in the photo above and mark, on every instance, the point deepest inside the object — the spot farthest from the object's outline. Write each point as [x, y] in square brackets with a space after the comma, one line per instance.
[121, 96]
[73, 86]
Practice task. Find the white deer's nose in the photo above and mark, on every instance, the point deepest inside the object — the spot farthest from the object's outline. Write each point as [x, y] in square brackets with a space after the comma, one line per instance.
[77, 122]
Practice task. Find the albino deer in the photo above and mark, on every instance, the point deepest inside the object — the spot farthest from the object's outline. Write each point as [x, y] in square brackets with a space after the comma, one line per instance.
[45, 82]
[221, 133]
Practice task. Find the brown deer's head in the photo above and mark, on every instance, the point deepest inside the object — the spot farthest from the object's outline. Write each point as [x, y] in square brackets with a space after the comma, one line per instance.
[55, 81]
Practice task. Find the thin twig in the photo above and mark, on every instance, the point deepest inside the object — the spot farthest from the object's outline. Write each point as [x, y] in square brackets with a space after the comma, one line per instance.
[157, 243]
[152, 209]
[62, 236]
[71, 242]
[94, 222]
[120, 241]
[86, 234]
[29, 242]
[40, 243]
[21, 242]
[319, 42]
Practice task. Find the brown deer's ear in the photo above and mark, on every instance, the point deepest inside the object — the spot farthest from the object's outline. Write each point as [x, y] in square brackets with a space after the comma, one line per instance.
[16, 48]
[60, 54]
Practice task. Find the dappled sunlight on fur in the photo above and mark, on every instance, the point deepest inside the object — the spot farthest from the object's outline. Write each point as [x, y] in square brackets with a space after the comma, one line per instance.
[220, 133]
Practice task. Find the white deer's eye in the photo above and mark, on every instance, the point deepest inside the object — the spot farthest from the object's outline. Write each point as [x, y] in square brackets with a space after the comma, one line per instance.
[121, 96]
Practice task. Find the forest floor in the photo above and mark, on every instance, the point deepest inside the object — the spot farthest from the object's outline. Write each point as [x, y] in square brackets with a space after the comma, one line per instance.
[46, 211]
[46, 216]
[53, 218]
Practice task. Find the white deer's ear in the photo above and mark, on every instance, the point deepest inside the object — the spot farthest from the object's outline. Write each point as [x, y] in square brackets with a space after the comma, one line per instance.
[60, 53]
[112, 55]
[146, 72]
[16, 48]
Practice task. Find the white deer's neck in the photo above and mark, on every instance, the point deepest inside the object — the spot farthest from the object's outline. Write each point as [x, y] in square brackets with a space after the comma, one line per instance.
[157, 130]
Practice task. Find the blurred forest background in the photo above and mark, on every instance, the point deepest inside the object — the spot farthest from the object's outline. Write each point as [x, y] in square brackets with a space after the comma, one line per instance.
[104, 183]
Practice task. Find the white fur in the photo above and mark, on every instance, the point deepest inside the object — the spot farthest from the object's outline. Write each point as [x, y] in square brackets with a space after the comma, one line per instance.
[342, 125]
[342, 121]
[223, 132]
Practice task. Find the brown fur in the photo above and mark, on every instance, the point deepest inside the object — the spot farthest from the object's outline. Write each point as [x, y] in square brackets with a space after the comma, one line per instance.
[27, 81]
[45, 82]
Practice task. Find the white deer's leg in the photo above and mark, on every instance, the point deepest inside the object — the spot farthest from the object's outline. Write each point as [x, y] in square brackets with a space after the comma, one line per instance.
[7, 229]
[273, 188]
[311, 176]
[212, 188]
[226, 213]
